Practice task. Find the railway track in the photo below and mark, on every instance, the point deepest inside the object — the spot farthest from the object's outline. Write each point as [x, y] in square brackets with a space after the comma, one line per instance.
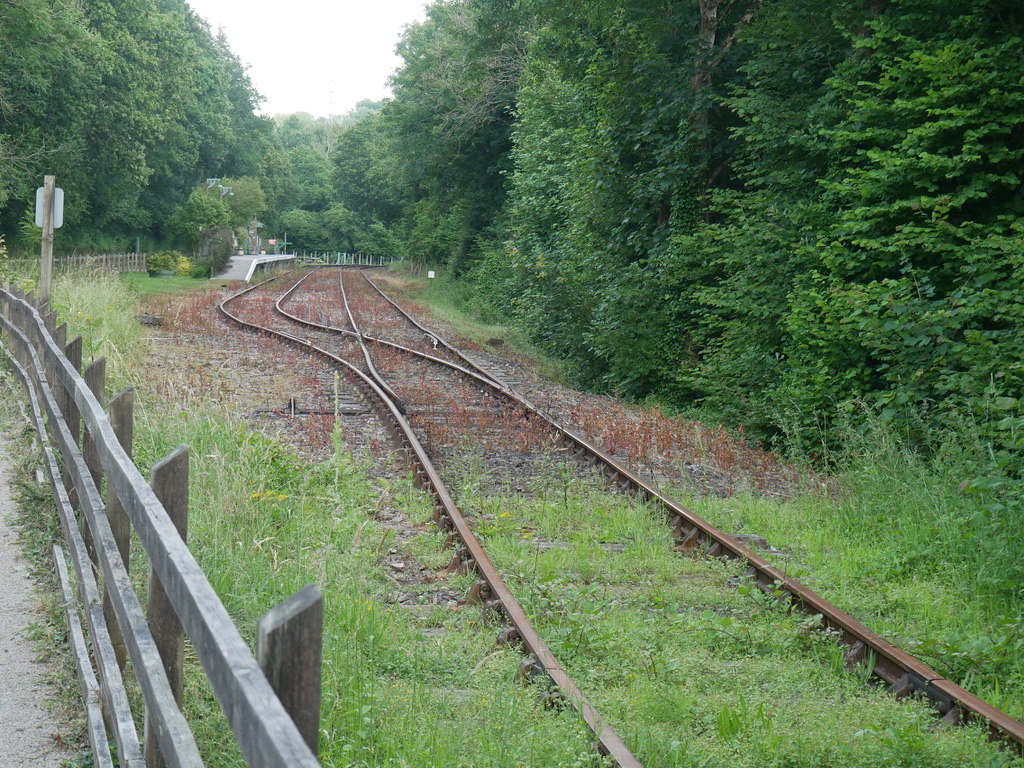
[341, 314]
[491, 591]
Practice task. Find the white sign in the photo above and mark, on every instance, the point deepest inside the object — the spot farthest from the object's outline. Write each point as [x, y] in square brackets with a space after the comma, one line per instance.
[58, 206]
[430, 274]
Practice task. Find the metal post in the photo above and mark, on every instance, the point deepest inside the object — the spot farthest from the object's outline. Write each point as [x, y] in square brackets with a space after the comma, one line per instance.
[46, 269]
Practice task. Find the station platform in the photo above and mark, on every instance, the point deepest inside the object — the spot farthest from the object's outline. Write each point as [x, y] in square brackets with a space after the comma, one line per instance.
[244, 267]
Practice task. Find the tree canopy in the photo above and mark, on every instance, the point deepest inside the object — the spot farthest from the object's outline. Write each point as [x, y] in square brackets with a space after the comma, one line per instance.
[130, 104]
[786, 212]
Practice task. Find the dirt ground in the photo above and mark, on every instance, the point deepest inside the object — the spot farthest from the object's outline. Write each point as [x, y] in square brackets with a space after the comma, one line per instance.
[32, 734]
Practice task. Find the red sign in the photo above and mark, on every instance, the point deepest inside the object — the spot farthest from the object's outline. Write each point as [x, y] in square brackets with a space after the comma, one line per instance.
[271, 242]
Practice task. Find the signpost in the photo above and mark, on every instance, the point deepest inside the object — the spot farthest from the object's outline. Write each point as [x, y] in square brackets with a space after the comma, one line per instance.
[49, 216]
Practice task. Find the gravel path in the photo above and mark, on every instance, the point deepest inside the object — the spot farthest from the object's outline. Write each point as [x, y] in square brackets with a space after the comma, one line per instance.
[29, 731]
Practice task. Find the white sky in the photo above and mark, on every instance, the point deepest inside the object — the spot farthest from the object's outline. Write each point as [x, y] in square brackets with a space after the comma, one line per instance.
[316, 56]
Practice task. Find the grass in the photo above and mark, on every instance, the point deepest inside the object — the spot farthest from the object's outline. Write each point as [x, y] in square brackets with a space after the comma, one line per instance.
[897, 550]
[144, 286]
[98, 307]
[692, 667]
[262, 525]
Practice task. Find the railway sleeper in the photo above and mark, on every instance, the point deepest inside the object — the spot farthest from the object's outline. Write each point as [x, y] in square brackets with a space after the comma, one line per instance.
[690, 541]
[855, 653]
[443, 521]
[461, 563]
[494, 610]
[508, 637]
[911, 684]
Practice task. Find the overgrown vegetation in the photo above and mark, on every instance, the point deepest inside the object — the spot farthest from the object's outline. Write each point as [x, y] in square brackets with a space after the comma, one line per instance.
[789, 216]
[688, 661]
[804, 221]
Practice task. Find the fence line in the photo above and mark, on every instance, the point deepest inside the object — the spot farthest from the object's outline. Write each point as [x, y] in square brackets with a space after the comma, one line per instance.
[263, 728]
[115, 262]
[340, 258]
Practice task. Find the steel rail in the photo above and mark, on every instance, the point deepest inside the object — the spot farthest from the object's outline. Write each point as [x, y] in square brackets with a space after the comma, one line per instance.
[493, 591]
[354, 333]
[903, 674]
[438, 339]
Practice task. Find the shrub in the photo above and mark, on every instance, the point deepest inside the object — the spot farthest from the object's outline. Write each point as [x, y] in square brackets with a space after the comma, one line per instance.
[200, 269]
[163, 260]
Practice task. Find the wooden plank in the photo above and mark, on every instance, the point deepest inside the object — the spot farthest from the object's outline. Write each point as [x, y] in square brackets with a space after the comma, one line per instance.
[176, 738]
[112, 690]
[95, 376]
[122, 420]
[289, 647]
[265, 733]
[86, 676]
[170, 484]
[73, 353]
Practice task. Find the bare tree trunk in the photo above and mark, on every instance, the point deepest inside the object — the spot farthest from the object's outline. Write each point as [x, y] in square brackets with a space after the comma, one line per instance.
[709, 57]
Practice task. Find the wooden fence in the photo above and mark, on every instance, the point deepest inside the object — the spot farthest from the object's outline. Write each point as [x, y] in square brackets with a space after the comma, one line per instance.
[272, 706]
[115, 262]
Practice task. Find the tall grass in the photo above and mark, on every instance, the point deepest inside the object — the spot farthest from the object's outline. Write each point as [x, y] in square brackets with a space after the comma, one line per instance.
[262, 525]
[99, 307]
[690, 664]
[901, 542]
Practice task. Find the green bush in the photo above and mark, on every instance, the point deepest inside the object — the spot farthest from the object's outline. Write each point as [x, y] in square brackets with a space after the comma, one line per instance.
[161, 260]
[200, 269]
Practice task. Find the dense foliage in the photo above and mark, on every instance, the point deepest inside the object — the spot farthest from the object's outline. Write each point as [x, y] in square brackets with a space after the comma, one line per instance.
[781, 212]
[130, 104]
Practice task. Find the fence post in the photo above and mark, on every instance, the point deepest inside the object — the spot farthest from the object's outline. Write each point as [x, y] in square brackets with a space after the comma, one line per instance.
[95, 376]
[73, 353]
[122, 420]
[60, 335]
[289, 649]
[170, 484]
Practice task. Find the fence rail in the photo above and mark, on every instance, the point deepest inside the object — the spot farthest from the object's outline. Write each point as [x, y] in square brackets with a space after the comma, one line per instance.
[91, 447]
[115, 262]
[340, 257]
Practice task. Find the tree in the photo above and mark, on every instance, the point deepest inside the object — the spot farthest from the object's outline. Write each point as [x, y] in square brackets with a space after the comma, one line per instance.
[128, 103]
[447, 130]
[245, 201]
[199, 219]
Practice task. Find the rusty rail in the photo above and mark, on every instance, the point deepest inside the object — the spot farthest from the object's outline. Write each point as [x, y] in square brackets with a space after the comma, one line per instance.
[491, 591]
[901, 672]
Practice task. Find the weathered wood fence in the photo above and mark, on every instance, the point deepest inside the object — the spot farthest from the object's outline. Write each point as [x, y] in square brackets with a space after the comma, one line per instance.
[85, 450]
[115, 262]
